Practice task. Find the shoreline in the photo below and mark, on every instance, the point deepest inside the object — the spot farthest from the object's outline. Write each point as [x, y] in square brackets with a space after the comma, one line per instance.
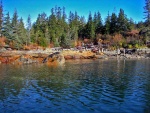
[50, 57]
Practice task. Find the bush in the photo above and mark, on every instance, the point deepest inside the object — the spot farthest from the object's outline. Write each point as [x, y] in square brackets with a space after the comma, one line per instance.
[124, 45]
[136, 45]
[42, 42]
[130, 46]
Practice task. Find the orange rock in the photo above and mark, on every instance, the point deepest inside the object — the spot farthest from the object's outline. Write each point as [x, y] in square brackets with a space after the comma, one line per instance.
[5, 60]
[77, 56]
[17, 62]
[50, 60]
[67, 57]
[13, 58]
[40, 60]
[27, 56]
[54, 63]
[1, 58]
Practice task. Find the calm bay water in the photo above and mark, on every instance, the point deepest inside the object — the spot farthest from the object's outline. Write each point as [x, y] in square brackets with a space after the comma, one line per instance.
[99, 86]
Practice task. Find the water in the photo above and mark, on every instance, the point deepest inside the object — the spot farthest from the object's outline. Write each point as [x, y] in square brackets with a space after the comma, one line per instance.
[97, 86]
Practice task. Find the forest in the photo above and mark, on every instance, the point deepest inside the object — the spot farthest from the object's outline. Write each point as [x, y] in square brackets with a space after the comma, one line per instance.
[61, 30]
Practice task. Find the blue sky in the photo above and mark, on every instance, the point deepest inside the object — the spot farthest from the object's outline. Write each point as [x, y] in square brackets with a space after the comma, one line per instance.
[132, 8]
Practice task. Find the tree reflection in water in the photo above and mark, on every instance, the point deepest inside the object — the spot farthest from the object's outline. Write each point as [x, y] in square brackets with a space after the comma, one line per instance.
[80, 85]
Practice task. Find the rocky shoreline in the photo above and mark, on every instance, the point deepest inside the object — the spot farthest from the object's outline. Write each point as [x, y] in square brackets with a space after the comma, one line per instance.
[139, 54]
[51, 57]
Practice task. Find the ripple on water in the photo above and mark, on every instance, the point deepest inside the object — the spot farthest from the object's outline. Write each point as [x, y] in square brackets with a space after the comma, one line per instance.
[83, 86]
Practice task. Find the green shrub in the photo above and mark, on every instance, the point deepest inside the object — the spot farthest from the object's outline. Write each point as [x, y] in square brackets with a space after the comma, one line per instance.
[130, 46]
[136, 45]
[42, 42]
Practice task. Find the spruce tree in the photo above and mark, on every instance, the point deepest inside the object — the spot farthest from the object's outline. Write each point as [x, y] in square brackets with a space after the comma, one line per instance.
[41, 29]
[52, 21]
[147, 12]
[107, 24]
[22, 37]
[29, 25]
[81, 31]
[74, 25]
[18, 31]
[14, 25]
[7, 28]
[146, 31]
[121, 26]
[113, 23]
[1, 18]
[99, 25]
[130, 24]
[90, 29]
[65, 40]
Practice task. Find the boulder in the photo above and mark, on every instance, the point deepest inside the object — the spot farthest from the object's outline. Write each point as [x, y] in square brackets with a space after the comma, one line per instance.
[67, 57]
[54, 58]
[77, 56]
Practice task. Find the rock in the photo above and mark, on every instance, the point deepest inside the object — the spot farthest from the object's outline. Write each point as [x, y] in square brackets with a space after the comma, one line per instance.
[13, 58]
[82, 57]
[4, 60]
[61, 59]
[101, 56]
[2, 49]
[26, 59]
[148, 55]
[67, 57]
[54, 58]
[77, 56]
[138, 57]
[87, 57]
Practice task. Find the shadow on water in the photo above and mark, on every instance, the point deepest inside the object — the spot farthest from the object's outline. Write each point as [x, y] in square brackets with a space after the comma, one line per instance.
[77, 86]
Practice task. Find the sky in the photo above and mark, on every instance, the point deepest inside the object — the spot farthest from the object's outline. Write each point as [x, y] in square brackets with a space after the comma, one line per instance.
[132, 8]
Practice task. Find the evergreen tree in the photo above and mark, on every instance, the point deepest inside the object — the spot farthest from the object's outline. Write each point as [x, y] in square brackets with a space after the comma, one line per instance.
[90, 29]
[113, 23]
[1, 17]
[58, 13]
[107, 24]
[99, 25]
[7, 28]
[81, 31]
[64, 16]
[146, 31]
[140, 25]
[95, 19]
[57, 30]
[21, 33]
[52, 21]
[14, 24]
[74, 25]
[33, 33]
[71, 17]
[15, 18]
[147, 12]
[18, 31]
[65, 40]
[131, 25]
[41, 29]
[122, 24]
[28, 30]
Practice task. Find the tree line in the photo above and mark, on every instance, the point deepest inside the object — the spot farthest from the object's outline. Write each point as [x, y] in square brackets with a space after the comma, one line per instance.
[58, 29]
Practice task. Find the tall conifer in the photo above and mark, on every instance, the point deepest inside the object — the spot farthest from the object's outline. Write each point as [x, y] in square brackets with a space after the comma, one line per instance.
[147, 12]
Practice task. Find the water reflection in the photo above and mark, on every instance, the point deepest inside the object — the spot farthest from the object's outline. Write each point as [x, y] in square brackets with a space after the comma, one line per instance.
[77, 86]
